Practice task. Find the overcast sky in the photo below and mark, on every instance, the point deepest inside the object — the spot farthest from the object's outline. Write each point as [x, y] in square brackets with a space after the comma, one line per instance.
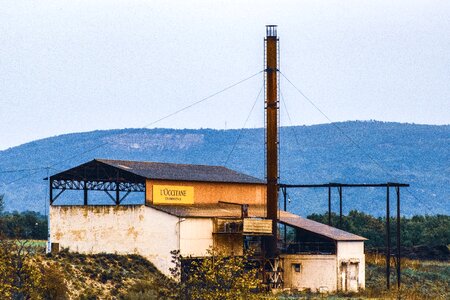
[70, 66]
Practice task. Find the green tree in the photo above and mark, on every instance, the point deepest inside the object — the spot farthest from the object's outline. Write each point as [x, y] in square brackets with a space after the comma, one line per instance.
[22, 276]
[218, 276]
[215, 276]
[429, 231]
[2, 203]
[24, 225]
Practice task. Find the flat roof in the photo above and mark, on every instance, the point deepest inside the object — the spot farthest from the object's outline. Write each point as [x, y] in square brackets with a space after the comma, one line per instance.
[258, 211]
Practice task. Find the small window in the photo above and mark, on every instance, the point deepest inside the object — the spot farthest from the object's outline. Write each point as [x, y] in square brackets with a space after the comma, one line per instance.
[297, 267]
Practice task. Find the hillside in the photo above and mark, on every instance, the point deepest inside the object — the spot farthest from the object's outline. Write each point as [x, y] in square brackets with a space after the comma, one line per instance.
[415, 154]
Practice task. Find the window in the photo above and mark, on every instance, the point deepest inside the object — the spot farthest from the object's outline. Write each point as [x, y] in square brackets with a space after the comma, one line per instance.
[297, 267]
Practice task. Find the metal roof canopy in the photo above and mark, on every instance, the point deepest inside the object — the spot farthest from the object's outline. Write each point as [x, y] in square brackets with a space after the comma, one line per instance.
[121, 176]
[96, 175]
[386, 185]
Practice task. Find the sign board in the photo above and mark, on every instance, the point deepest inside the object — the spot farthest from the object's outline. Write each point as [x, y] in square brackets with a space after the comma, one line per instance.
[257, 226]
[173, 194]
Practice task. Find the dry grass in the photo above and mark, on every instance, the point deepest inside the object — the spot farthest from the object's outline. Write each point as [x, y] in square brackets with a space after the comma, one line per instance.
[101, 276]
[109, 276]
[420, 279]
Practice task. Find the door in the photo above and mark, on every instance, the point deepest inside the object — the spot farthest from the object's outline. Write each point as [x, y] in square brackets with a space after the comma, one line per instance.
[349, 276]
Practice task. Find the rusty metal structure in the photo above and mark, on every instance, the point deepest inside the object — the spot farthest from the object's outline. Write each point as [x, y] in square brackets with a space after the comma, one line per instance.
[271, 56]
[272, 144]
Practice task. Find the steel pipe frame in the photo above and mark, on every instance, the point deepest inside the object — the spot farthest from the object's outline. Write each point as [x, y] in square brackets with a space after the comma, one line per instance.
[387, 185]
[85, 186]
[112, 186]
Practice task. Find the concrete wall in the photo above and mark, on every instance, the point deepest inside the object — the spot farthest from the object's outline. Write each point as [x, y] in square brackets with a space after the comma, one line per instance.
[210, 192]
[351, 259]
[116, 229]
[195, 236]
[317, 272]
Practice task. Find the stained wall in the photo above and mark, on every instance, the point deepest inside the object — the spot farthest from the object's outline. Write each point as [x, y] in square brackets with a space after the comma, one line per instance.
[116, 229]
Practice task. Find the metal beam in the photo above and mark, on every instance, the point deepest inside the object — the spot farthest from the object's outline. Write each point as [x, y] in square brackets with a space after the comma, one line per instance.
[98, 185]
[50, 188]
[85, 198]
[398, 238]
[326, 185]
[285, 209]
[57, 195]
[110, 196]
[388, 241]
[340, 206]
[329, 206]
[117, 193]
[124, 196]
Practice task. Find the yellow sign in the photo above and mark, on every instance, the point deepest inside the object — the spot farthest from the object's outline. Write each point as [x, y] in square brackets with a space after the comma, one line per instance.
[171, 194]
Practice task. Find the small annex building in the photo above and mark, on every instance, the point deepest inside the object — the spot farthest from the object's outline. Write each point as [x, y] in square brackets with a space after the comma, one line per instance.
[192, 208]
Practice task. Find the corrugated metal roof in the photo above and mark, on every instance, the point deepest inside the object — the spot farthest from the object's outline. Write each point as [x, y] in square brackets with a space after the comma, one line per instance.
[181, 172]
[319, 228]
[234, 211]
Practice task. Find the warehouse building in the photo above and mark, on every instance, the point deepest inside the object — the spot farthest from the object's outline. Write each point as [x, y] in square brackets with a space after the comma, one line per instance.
[192, 208]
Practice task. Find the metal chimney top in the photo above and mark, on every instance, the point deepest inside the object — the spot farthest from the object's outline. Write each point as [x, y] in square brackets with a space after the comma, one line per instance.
[271, 30]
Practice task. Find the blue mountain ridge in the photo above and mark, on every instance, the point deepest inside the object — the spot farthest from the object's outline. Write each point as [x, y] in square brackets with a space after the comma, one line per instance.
[370, 151]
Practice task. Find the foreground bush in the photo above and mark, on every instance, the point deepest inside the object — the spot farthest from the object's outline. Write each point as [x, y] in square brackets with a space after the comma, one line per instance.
[23, 277]
[215, 277]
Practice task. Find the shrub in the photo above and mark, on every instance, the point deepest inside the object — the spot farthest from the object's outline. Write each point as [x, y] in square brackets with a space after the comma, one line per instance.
[53, 284]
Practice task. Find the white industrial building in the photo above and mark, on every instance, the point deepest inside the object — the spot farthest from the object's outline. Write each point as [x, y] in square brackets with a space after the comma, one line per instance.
[192, 208]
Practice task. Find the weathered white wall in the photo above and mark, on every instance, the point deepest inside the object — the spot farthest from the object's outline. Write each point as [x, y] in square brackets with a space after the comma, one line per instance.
[116, 229]
[195, 236]
[318, 272]
[351, 251]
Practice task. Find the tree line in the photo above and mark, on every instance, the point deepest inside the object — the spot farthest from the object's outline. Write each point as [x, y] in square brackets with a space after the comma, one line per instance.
[416, 231]
[22, 225]
[421, 236]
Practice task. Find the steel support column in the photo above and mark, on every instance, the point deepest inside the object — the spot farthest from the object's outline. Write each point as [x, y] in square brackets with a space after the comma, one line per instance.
[398, 238]
[388, 241]
[85, 189]
[329, 205]
[117, 193]
[50, 190]
[285, 209]
[340, 206]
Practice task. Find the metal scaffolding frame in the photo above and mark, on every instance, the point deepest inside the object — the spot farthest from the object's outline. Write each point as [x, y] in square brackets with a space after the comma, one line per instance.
[96, 176]
[340, 187]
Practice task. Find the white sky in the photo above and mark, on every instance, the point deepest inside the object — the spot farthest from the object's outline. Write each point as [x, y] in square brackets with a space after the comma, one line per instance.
[69, 66]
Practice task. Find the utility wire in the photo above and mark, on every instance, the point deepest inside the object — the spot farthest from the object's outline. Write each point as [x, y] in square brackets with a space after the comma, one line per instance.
[337, 127]
[242, 129]
[283, 101]
[21, 170]
[152, 123]
[345, 134]
[204, 99]
[61, 161]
